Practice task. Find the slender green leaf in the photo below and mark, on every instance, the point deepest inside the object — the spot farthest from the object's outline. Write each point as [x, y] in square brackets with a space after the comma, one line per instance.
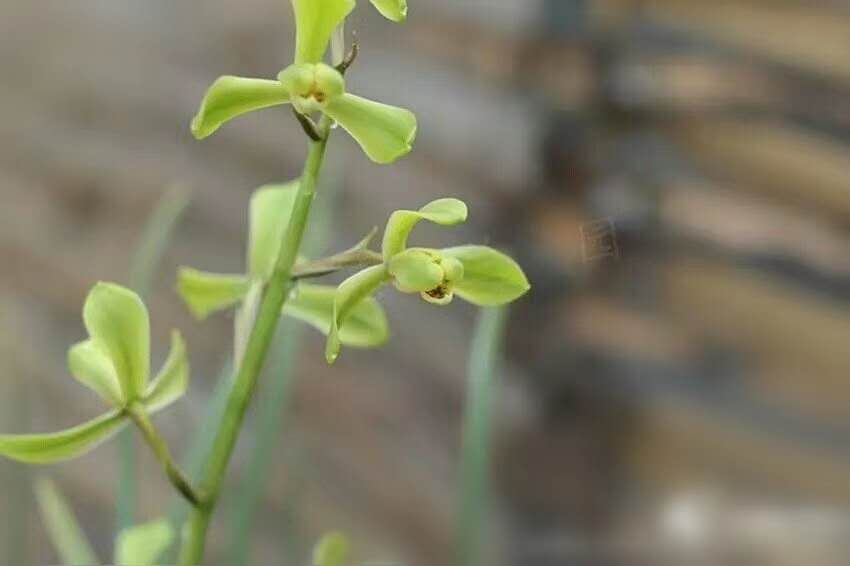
[64, 445]
[117, 321]
[63, 529]
[143, 545]
[270, 209]
[386, 133]
[314, 23]
[490, 278]
[365, 327]
[154, 240]
[395, 10]
[173, 379]
[444, 211]
[92, 367]
[331, 550]
[205, 293]
[230, 97]
[350, 292]
[484, 362]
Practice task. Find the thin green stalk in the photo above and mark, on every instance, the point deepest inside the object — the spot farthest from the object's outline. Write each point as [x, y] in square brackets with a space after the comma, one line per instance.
[202, 441]
[147, 258]
[282, 369]
[271, 412]
[475, 460]
[256, 351]
[163, 454]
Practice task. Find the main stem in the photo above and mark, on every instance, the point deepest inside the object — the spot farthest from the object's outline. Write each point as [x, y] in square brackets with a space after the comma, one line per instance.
[255, 353]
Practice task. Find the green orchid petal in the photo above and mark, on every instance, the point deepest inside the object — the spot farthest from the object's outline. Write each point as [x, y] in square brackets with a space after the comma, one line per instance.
[490, 278]
[365, 327]
[444, 211]
[205, 293]
[331, 550]
[143, 545]
[315, 21]
[271, 207]
[415, 270]
[93, 368]
[385, 132]
[64, 445]
[395, 10]
[117, 321]
[229, 97]
[173, 379]
[350, 292]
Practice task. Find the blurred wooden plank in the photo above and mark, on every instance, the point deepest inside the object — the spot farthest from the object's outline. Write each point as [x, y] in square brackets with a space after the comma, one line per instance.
[741, 223]
[789, 162]
[698, 83]
[756, 314]
[508, 16]
[677, 446]
[624, 332]
[812, 38]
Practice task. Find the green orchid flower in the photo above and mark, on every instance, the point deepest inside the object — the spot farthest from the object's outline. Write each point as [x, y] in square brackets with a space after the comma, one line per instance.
[385, 132]
[114, 363]
[480, 275]
[271, 205]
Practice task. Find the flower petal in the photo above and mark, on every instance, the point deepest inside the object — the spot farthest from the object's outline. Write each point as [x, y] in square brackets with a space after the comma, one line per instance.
[93, 368]
[350, 292]
[271, 207]
[395, 10]
[385, 132]
[173, 379]
[205, 293]
[229, 97]
[490, 278]
[117, 321]
[63, 445]
[365, 327]
[331, 550]
[143, 545]
[415, 270]
[444, 211]
[315, 21]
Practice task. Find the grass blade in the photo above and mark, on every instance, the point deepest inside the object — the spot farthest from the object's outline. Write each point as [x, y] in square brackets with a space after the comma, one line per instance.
[484, 361]
[146, 260]
[271, 414]
[64, 531]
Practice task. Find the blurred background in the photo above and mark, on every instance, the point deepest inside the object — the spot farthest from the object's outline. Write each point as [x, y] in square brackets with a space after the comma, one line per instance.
[674, 175]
